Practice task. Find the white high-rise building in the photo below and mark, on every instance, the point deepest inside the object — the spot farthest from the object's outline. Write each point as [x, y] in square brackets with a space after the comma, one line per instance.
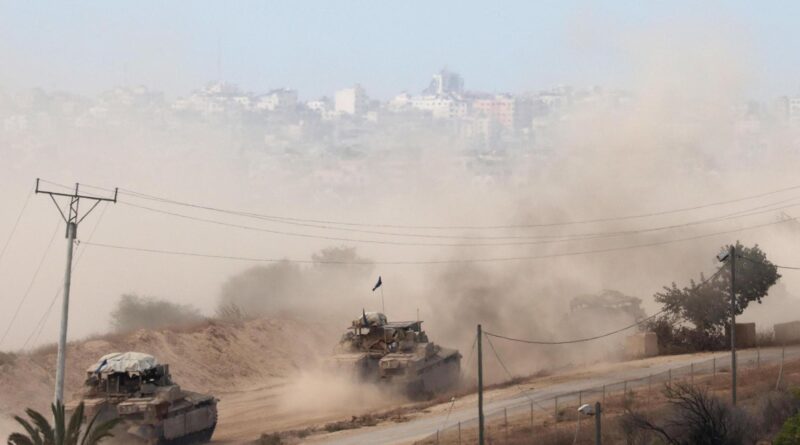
[353, 101]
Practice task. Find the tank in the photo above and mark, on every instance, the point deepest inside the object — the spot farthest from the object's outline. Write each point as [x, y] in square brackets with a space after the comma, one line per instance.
[397, 354]
[154, 410]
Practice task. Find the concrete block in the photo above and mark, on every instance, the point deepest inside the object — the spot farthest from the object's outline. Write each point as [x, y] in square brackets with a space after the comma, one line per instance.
[745, 335]
[642, 344]
[786, 333]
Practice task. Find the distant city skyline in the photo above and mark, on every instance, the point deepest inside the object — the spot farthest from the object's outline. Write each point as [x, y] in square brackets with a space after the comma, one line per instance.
[320, 47]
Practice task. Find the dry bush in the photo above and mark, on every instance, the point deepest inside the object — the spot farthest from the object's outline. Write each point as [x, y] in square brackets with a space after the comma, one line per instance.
[230, 312]
[133, 312]
[693, 417]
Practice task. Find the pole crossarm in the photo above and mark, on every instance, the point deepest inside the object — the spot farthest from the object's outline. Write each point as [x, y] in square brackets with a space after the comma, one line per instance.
[72, 219]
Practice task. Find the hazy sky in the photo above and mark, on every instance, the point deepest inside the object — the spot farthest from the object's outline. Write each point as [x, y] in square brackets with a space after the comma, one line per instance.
[319, 46]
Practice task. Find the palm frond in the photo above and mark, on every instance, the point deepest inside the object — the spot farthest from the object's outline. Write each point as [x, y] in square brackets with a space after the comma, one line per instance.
[94, 436]
[21, 439]
[33, 433]
[73, 432]
[43, 425]
[59, 424]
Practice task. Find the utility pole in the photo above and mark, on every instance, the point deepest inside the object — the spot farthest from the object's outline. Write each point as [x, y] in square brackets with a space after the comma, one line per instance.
[733, 323]
[72, 218]
[480, 387]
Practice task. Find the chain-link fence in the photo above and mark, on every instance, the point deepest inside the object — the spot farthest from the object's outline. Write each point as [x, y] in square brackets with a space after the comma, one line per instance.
[542, 416]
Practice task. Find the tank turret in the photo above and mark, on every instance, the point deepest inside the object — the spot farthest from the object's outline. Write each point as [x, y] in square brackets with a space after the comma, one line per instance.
[153, 409]
[397, 353]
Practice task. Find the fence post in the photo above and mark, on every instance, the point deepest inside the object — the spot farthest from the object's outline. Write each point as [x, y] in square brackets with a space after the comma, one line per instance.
[780, 371]
[758, 357]
[505, 417]
[649, 384]
[624, 389]
[555, 409]
[691, 373]
[669, 376]
[459, 433]
[531, 419]
[437, 437]
[580, 397]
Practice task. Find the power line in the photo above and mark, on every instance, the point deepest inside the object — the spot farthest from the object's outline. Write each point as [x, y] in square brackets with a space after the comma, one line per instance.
[554, 238]
[39, 327]
[449, 227]
[767, 264]
[431, 262]
[511, 377]
[16, 224]
[30, 285]
[596, 337]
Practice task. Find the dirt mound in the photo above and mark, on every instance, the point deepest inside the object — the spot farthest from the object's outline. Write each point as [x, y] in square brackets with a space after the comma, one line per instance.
[209, 357]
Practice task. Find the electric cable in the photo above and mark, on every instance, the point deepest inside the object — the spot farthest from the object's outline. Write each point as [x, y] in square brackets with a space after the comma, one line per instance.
[16, 224]
[597, 337]
[39, 327]
[511, 377]
[30, 285]
[432, 262]
[446, 227]
[553, 238]
[767, 264]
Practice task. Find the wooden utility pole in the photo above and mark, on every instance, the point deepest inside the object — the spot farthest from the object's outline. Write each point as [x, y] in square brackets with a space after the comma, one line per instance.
[72, 218]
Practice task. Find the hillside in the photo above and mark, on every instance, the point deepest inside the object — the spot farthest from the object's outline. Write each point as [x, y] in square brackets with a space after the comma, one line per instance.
[210, 357]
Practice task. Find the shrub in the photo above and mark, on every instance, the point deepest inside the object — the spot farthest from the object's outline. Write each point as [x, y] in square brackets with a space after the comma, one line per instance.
[694, 417]
[270, 439]
[7, 358]
[790, 432]
[133, 312]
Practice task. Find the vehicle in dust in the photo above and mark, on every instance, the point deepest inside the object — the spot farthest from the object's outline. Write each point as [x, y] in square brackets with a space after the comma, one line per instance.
[154, 410]
[397, 353]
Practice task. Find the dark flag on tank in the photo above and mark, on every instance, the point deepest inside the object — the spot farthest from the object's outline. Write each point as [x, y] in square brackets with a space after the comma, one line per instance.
[378, 284]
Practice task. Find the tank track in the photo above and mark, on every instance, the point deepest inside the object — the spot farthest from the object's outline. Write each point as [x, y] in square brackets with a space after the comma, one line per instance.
[202, 436]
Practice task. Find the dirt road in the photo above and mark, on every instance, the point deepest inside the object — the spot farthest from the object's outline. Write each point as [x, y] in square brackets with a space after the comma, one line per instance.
[464, 410]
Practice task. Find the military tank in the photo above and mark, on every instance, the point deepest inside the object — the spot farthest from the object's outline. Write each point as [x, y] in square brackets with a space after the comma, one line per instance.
[154, 410]
[396, 353]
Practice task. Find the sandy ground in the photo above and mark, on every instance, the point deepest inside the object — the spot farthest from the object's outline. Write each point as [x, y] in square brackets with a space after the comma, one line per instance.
[222, 359]
[265, 373]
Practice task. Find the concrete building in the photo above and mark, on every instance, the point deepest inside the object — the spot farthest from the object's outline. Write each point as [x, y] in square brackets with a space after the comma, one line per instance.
[794, 110]
[445, 82]
[352, 101]
[440, 106]
[280, 100]
[499, 108]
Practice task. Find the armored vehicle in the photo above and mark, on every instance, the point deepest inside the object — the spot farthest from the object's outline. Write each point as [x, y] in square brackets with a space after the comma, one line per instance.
[397, 353]
[154, 410]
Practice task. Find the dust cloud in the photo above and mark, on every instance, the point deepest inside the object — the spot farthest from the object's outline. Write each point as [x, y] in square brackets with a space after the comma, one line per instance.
[319, 391]
[677, 140]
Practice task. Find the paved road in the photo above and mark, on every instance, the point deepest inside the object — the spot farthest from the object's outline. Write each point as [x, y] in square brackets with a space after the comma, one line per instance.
[421, 427]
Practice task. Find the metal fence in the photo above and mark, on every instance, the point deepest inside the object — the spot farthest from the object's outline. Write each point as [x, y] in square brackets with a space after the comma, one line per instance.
[545, 417]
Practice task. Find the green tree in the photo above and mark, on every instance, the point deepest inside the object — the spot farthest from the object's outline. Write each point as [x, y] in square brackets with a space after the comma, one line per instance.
[707, 306]
[39, 431]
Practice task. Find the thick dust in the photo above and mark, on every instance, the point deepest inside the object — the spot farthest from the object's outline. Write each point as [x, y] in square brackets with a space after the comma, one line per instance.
[319, 391]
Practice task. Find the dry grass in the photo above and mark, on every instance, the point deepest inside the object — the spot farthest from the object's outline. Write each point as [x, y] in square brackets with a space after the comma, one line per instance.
[756, 394]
